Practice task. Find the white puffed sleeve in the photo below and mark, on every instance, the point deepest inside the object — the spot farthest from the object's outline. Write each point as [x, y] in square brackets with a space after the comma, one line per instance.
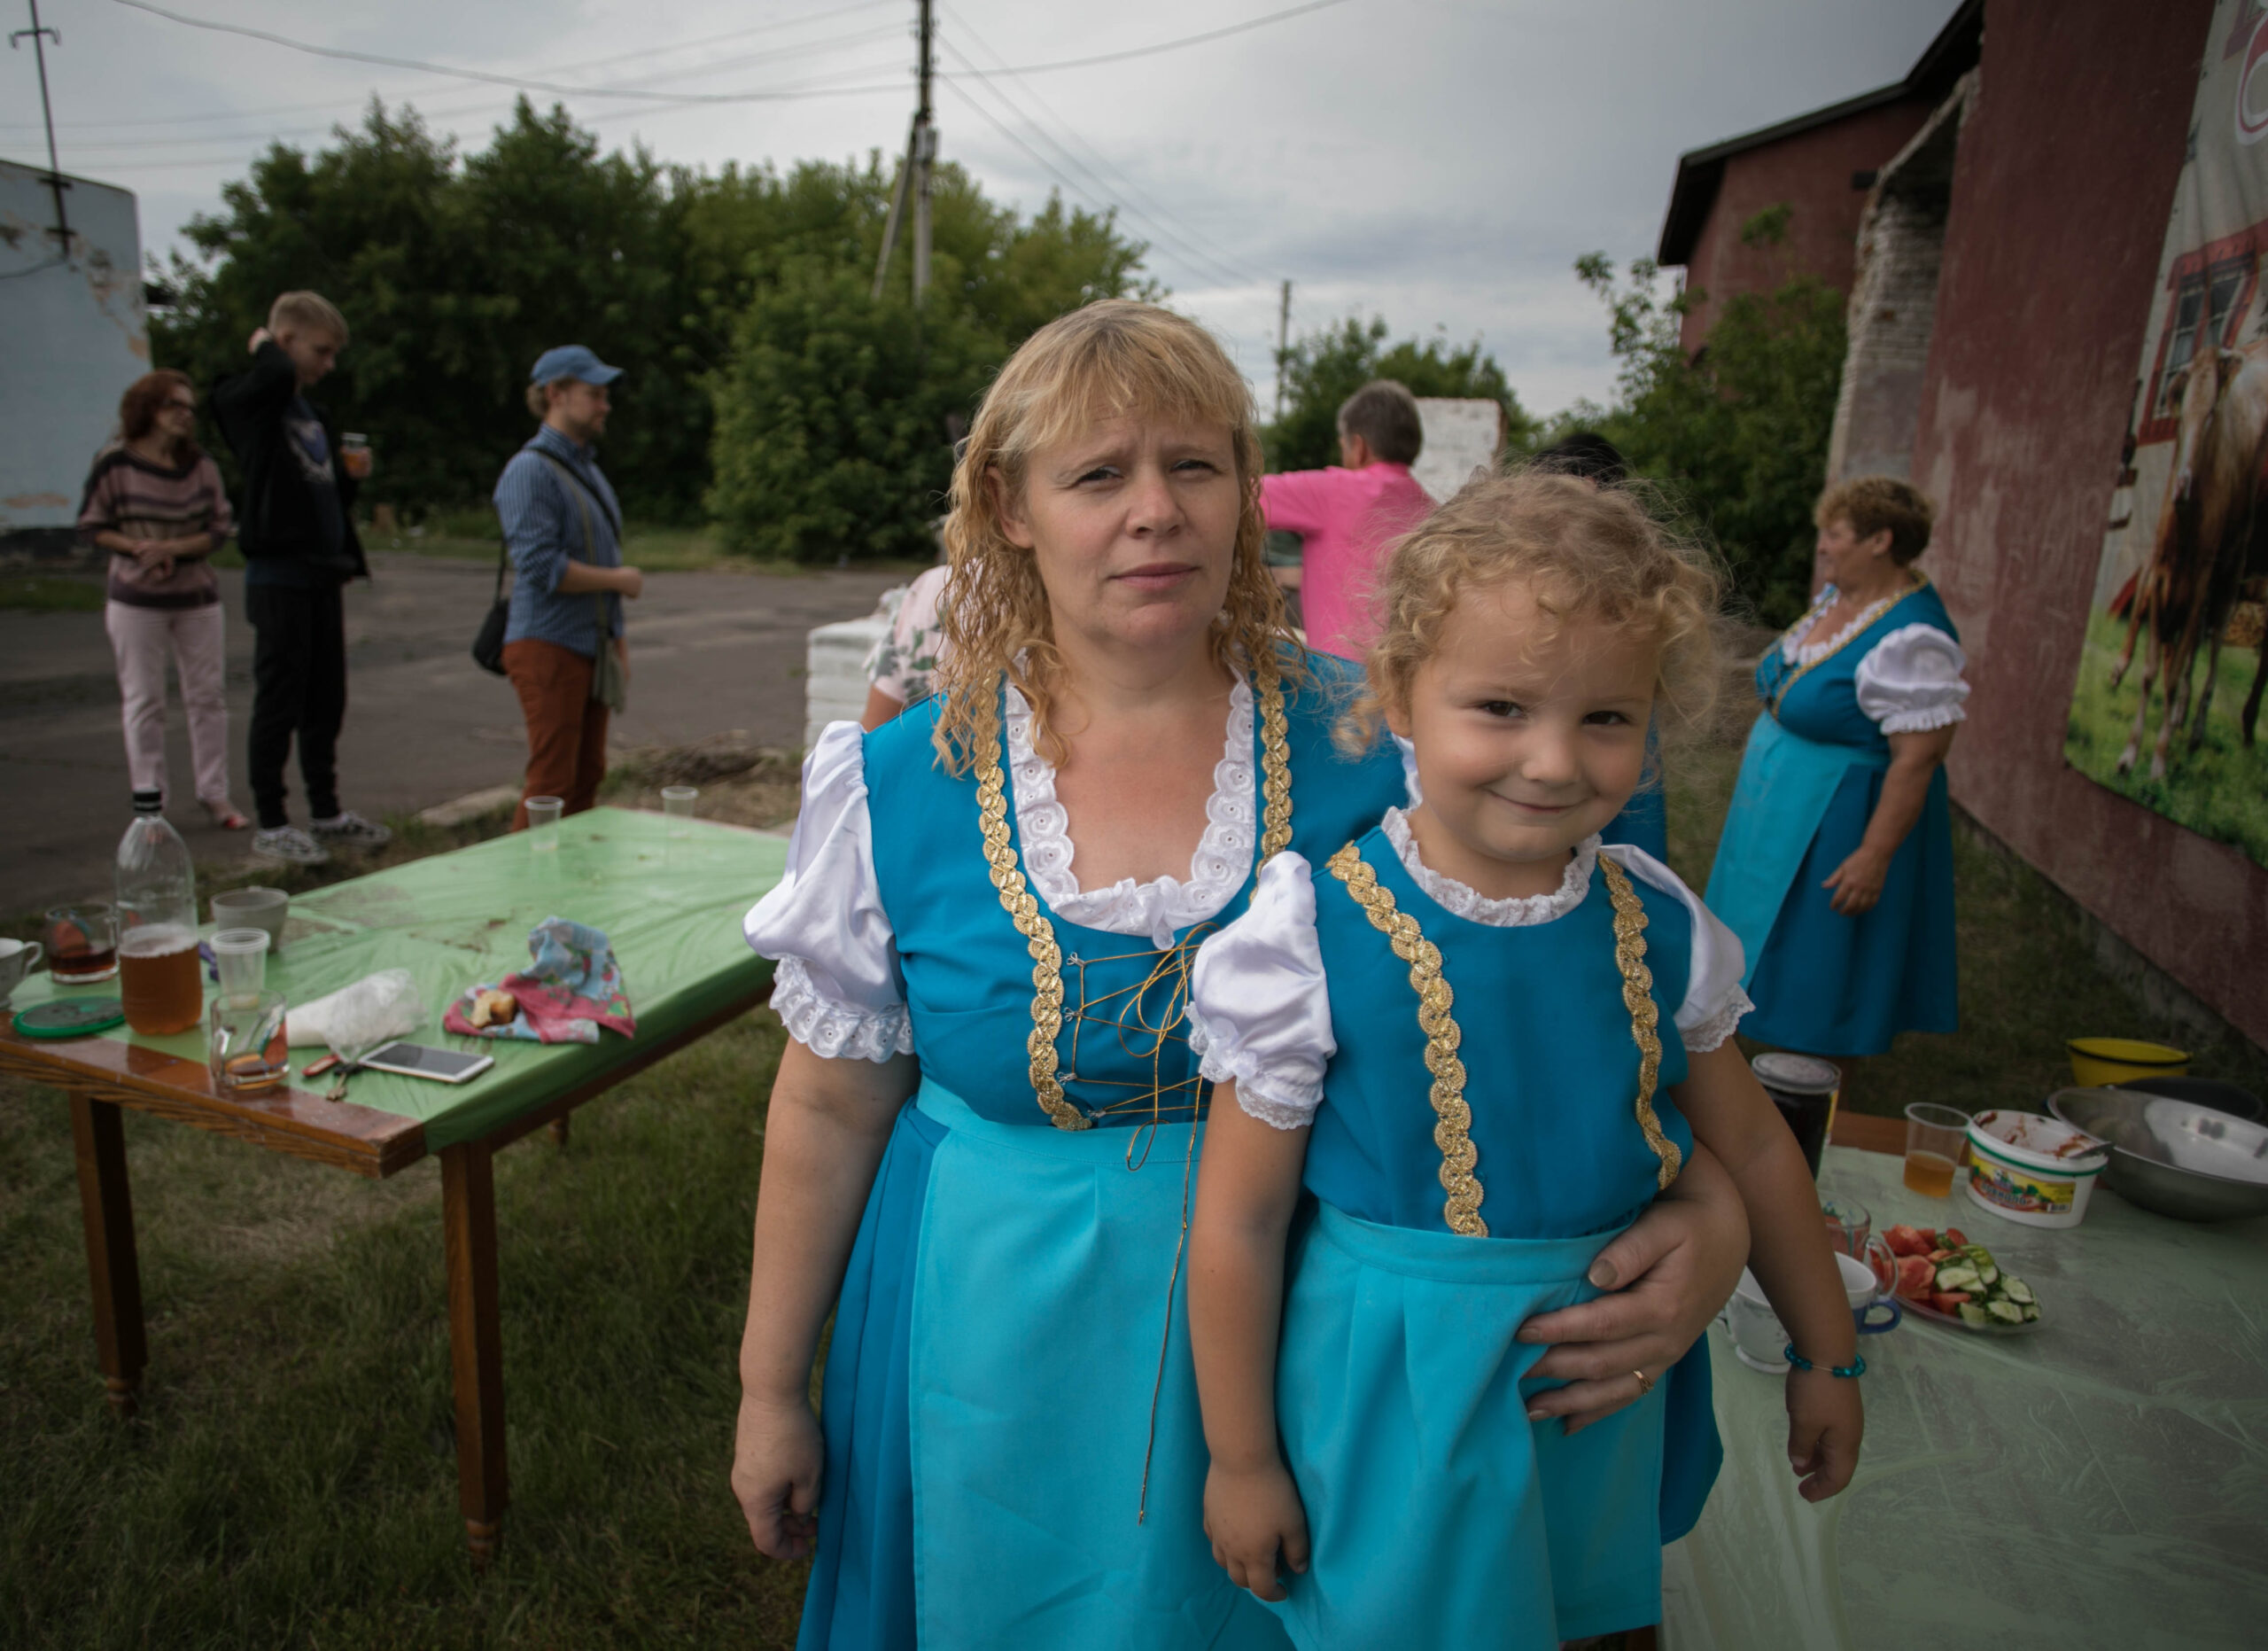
[838, 989]
[1259, 1012]
[1910, 680]
[1714, 1002]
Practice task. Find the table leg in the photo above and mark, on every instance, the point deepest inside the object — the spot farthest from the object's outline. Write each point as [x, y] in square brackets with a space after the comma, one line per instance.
[475, 1354]
[107, 1207]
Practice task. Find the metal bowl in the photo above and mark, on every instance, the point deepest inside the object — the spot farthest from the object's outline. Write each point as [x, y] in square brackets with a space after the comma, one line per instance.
[2232, 1099]
[2175, 1156]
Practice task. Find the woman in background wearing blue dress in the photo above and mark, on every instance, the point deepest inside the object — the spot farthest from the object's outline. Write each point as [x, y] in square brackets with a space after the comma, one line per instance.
[1836, 865]
[988, 910]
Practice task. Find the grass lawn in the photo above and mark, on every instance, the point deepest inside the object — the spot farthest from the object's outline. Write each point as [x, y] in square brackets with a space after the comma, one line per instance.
[52, 593]
[290, 1480]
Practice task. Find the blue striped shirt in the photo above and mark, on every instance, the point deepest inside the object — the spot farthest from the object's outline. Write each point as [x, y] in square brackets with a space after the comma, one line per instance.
[543, 530]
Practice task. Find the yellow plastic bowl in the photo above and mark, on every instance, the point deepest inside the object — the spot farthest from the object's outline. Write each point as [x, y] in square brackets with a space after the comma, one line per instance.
[2099, 1061]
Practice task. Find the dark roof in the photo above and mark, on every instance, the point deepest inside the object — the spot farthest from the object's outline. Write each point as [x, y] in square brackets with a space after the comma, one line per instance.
[1955, 52]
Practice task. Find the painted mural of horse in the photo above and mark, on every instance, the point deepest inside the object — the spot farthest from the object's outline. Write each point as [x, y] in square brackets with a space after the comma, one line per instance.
[2207, 524]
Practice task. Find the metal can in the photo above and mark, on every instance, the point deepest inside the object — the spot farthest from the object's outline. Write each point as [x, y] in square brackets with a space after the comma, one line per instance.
[1805, 1088]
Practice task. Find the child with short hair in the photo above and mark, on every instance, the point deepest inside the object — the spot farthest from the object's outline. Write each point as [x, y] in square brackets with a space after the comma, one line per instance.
[1567, 1008]
[1348, 512]
[297, 532]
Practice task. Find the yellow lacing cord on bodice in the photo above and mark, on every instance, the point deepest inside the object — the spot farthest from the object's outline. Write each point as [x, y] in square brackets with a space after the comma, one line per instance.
[1022, 906]
[1452, 1113]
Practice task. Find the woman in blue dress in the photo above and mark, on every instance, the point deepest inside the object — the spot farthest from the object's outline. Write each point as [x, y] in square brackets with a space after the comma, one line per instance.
[1566, 1007]
[988, 907]
[1835, 865]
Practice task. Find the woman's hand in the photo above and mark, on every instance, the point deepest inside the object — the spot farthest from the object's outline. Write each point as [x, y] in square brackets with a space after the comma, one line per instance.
[1858, 881]
[777, 1456]
[1669, 1273]
[1252, 1515]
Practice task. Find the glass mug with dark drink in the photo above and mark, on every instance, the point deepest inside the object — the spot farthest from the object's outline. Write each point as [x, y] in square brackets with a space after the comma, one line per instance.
[81, 943]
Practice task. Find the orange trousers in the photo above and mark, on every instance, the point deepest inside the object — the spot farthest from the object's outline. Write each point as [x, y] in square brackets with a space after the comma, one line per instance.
[566, 726]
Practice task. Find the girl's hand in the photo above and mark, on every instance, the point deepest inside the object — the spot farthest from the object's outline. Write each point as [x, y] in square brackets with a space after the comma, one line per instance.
[1858, 882]
[1669, 1273]
[1825, 1421]
[1251, 1515]
[777, 1457]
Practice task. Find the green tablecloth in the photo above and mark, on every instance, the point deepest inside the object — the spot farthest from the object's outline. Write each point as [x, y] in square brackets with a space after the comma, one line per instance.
[671, 906]
[2103, 1482]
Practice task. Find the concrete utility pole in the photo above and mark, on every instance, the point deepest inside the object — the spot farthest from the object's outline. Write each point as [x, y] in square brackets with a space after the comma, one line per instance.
[41, 34]
[1283, 346]
[925, 155]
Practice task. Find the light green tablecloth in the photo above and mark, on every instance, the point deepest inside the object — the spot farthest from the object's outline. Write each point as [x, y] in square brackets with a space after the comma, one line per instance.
[2101, 1482]
[671, 906]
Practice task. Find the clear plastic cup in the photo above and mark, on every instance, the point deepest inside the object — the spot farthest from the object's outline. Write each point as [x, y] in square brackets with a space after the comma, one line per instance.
[240, 957]
[677, 802]
[1937, 1138]
[543, 820]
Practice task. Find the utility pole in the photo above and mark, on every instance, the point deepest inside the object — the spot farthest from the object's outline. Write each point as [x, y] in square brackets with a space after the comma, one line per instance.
[1283, 346]
[41, 33]
[925, 156]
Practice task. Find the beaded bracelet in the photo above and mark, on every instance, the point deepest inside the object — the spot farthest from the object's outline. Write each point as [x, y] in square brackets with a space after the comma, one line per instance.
[1850, 1372]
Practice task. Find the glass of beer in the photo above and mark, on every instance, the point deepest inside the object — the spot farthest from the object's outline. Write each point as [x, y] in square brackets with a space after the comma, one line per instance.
[159, 982]
[81, 943]
[1935, 1138]
[355, 453]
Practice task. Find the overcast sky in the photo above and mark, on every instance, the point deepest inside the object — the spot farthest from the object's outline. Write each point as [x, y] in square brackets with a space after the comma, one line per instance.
[1438, 162]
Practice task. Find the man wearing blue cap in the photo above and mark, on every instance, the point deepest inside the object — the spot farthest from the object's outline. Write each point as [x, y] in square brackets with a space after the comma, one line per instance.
[563, 646]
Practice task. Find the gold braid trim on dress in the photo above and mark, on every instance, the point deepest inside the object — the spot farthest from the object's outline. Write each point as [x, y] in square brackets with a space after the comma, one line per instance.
[1453, 1124]
[1022, 906]
[1645, 1018]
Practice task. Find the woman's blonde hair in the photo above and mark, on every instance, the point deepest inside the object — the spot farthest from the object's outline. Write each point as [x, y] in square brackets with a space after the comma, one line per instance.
[1113, 359]
[1583, 550]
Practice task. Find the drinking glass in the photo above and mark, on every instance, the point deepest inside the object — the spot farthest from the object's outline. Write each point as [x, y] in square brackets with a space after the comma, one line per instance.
[677, 804]
[81, 943]
[1935, 1138]
[245, 1041]
[1848, 1224]
[543, 822]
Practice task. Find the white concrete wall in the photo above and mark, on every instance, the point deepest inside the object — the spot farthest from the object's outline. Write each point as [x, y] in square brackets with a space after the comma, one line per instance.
[1461, 436]
[72, 336]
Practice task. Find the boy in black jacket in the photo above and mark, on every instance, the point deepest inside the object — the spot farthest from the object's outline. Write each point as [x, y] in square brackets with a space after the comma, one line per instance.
[297, 531]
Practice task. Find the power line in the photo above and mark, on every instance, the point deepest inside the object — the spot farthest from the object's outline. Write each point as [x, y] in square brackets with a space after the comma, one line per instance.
[1164, 45]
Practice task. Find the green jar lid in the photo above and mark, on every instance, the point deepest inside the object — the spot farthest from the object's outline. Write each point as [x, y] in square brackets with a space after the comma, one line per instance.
[71, 1018]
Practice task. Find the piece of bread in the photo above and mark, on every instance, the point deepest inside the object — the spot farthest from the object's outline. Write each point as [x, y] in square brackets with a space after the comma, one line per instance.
[492, 1008]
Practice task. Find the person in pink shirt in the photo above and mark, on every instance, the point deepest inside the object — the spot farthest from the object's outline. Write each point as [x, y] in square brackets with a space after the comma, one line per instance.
[1348, 512]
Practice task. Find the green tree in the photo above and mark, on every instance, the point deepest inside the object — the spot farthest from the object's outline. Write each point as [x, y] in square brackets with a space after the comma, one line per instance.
[1323, 369]
[1739, 432]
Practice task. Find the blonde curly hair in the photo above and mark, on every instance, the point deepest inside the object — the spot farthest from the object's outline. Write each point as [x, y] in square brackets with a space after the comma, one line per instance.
[1113, 359]
[1585, 550]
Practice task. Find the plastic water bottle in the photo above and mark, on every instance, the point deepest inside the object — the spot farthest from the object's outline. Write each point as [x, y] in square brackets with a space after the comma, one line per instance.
[159, 981]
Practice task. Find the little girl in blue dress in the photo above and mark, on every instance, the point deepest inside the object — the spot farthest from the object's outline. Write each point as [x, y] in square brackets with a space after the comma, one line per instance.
[1457, 1058]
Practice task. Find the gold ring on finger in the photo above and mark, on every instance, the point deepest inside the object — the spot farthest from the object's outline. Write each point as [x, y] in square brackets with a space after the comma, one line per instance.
[1645, 1382]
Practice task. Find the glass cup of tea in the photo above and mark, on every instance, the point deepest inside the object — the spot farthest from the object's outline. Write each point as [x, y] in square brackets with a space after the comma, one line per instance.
[159, 984]
[1935, 1138]
[245, 1042]
[81, 943]
[543, 824]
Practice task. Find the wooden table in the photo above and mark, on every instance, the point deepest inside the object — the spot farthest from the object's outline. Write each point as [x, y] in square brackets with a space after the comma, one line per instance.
[670, 904]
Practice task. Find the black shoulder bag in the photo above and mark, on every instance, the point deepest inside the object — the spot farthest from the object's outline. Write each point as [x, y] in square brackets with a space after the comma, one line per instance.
[488, 647]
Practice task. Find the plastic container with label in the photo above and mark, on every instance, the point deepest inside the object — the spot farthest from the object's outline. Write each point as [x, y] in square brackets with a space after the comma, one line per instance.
[2024, 1168]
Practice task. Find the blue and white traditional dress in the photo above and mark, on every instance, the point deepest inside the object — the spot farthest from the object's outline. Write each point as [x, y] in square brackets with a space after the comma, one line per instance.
[1014, 1457]
[1825, 983]
[1485, 1081]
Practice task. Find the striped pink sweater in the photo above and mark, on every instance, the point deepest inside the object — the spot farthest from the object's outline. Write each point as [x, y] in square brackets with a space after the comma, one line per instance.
[126, 494]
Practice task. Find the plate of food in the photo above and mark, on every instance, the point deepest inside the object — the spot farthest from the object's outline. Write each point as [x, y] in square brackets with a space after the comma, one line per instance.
[1945, 1279]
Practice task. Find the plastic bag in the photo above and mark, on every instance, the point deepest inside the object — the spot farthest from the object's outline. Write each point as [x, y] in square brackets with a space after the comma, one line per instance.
[356, 1019]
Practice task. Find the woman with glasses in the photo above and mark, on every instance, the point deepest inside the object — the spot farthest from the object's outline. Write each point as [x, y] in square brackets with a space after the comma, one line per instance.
[154, 500]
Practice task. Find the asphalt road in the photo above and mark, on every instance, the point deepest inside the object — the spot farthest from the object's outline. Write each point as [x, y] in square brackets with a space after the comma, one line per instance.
[710, 653]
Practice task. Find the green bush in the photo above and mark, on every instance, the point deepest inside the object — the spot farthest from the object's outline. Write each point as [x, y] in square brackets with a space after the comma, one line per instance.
[1323, 369]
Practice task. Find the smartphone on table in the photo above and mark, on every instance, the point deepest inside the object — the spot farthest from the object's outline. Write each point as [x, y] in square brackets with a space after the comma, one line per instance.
[415, 1060]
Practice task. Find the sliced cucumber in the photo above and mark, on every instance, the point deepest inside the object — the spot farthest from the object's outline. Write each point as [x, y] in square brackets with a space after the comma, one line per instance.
[2031, 1313]
[2006, 1312]
[2016, 1290]
[1973, 1314]
[1955, 1276]
[1988, 1272]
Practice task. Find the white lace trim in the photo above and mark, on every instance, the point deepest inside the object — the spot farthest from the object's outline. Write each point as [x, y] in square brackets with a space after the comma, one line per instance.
[1279, 1102]
[1518, 913]
[1928, 717]
[1794, 651]
[1159, 908]
[1708, 1034]
[832, 1030]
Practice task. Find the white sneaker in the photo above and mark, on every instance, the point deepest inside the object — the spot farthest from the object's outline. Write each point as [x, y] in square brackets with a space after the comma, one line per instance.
[288, 846]
[349, 830]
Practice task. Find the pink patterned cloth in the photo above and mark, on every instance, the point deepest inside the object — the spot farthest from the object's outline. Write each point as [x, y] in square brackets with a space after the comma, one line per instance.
[571, 989]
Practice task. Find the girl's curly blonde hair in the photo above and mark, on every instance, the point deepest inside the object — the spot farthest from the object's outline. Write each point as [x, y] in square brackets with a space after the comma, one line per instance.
[1113, 359]
[1584, 550]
